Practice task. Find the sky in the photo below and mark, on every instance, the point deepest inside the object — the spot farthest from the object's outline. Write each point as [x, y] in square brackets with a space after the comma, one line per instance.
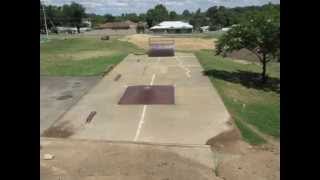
[117, 7]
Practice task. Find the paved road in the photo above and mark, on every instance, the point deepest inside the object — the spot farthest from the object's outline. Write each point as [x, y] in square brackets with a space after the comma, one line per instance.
[198, 114]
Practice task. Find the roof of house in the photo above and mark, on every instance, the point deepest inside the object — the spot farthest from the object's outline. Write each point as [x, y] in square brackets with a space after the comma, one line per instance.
[172, 25]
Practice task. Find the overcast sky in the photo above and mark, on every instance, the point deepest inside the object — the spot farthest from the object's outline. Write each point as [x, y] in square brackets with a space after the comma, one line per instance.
[116, 7]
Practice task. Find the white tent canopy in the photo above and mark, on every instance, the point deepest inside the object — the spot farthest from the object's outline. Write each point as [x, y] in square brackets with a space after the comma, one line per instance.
[172, 25]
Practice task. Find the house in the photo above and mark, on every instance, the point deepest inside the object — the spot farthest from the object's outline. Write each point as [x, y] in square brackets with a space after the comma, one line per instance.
[172, 27]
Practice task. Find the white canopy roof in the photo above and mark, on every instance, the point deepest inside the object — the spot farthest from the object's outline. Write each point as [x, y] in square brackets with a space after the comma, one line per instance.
[172, 25]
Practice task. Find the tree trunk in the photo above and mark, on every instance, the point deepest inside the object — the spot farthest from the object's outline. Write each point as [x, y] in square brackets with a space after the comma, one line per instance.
[78, 28]
[264, 64]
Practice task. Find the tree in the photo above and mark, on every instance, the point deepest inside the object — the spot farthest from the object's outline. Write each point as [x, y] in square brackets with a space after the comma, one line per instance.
[142, 17]
[260, 35]
[198, 19]
[132, 17]
[109, 18]
[75, 13]
[219, 17]
[149, 18]
[156, 15]
[173, 15]
[186, 13]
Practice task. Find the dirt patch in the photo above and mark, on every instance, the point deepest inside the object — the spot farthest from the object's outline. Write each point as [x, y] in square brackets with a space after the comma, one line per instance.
[183, 43]
[82, 160]
[241, 161]
[59, 131]
[251, 166]
[229, 142]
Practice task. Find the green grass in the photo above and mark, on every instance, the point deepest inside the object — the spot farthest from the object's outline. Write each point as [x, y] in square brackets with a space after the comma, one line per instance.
[82, 56]
[248, 135]
[245, 98]
[213, 34]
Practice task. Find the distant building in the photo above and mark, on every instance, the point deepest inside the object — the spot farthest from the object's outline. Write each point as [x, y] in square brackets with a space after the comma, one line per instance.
[172, 27]
[70, 30]
[87, 22]
[204, 28]
[225, 29]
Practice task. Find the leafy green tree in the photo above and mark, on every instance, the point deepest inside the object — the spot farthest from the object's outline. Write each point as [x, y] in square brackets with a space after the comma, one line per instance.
[219, 17]
[260, 35]
[198, 19]
[109, 18]
[186, 13]
[142, 17]
[173, 15]
[156, 15]
[149, 18]
[75, 13]
[132, 17]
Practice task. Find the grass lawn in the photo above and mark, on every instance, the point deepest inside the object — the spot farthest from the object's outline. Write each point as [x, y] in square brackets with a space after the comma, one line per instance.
[248, 101]
[81, 56]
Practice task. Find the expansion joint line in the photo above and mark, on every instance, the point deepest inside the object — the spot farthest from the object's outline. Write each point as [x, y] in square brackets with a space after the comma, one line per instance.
[183, 67]
[141, 122]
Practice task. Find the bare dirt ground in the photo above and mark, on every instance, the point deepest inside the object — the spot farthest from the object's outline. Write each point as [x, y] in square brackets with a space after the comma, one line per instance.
[241, 161]
[181, 43]
[229, 159]
[97, 160]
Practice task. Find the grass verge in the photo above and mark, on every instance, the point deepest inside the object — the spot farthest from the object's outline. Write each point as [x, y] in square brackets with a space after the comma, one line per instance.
[84, 56]
[245, 97]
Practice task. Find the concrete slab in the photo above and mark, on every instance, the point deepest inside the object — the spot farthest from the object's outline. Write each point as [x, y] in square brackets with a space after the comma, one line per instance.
[199, 113]
[58, 94]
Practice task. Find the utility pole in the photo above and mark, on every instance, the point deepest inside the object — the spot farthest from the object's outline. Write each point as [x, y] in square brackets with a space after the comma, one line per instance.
[45, 21]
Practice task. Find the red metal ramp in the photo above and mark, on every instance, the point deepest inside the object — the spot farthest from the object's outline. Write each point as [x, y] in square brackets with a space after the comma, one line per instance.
[146, 95]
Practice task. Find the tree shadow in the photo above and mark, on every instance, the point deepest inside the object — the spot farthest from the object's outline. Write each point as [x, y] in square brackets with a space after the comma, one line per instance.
[247, 79]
